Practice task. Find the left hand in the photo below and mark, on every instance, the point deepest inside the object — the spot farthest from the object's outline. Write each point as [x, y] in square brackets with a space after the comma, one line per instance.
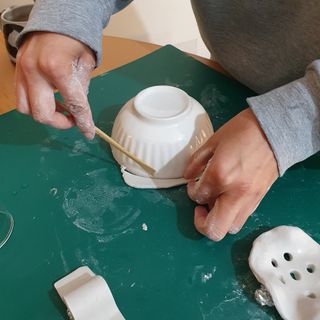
[236, 168]
[47, 61]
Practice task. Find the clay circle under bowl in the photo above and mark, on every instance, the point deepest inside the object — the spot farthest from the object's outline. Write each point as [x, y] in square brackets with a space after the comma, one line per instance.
[163, 126]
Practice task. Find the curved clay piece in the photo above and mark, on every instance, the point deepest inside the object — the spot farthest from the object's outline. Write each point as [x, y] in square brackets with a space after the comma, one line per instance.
[149, 183]
[287, 262]
[87, 296]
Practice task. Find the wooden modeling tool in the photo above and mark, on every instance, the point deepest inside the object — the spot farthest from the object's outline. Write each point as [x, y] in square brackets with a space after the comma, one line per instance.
[115, 144]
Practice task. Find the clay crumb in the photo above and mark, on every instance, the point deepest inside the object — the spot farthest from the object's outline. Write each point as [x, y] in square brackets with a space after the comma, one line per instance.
[263, 297]
[53, 191]
[205, 277]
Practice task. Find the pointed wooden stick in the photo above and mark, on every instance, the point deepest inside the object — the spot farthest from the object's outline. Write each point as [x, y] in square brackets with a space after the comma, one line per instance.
[119, 147]
[108, 139]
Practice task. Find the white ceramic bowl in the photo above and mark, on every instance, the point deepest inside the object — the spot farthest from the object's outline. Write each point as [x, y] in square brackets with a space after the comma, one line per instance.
[163, 126]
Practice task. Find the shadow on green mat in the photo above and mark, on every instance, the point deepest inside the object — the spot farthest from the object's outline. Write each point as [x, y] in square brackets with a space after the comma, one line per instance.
[247, 282]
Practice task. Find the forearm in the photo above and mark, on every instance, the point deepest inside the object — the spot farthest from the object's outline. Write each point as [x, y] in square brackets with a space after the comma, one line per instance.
[290, 118]
[83, 20]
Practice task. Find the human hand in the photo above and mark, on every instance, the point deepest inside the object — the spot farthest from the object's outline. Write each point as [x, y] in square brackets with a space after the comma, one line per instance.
[47, 61]
[236, 168]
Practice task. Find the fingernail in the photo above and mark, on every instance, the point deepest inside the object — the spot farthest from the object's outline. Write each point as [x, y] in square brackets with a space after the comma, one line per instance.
[215, 235]
[234, 230]
[89, 135]
[216, 238]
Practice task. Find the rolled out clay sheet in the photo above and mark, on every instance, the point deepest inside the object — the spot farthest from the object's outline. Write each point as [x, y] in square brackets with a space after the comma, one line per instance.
[149, 183]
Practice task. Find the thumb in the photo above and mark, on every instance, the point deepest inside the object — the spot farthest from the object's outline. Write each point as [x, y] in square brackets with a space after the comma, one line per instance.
[73, 92]
[82, 70]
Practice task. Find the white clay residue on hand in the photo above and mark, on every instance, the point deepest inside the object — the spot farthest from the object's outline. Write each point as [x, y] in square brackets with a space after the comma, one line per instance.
[148, 182]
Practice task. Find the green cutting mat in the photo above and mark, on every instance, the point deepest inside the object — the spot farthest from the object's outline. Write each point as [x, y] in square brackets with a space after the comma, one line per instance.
[71, 208]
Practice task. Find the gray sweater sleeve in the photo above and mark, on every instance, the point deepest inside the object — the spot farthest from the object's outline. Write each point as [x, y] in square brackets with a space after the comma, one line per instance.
[290, 118]
[273, 48]
[83, 20]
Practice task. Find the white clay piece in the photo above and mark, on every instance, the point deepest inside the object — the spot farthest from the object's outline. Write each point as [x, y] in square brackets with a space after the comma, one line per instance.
[287, 262]
[87, 296]
[139, 182]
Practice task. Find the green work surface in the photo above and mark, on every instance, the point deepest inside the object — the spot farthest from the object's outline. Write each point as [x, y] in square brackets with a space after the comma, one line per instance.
[71, 208]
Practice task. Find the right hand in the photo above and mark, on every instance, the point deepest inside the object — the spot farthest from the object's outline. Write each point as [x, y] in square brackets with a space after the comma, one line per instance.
[236, 167]
[48, 61]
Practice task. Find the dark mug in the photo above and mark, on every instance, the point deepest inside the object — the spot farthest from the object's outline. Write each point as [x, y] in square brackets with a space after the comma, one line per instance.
[13, 20]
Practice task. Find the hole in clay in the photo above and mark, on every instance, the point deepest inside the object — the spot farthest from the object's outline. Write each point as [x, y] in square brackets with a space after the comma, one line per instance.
[282, 280]
[287, 256]
[295, 275]
[311, 268]
[274, 263]
[311, 295]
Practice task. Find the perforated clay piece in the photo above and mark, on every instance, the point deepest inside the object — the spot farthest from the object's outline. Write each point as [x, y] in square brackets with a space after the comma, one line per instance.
[287, 262]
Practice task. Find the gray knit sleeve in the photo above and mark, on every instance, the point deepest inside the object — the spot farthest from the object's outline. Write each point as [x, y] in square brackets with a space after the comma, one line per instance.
[83, 20]
[290, 118]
